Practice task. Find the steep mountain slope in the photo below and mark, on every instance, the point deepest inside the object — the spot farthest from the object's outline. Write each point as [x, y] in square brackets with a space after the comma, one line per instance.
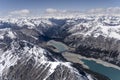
[22, 40]
[97, 36]
[25, 61]
[22, 58]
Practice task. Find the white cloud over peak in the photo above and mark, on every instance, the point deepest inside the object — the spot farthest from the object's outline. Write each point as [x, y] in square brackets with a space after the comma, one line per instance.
[23, 12]
[58, 12]
[111, 10]
[105, 11]
[51, 10]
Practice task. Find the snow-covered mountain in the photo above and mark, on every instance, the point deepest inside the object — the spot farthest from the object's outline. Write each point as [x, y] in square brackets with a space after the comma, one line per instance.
[107, 26]
[22, 53]
[24, 61]
[23, 58]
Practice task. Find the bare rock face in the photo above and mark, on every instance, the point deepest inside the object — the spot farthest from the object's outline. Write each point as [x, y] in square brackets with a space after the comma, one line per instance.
[24, 61]
[22, 56]
[96, 37]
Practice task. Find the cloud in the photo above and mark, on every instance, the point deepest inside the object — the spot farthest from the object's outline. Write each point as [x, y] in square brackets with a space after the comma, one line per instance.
[114, 10]
[111, 10]
[23, 12]
[51, 10]
[98, 10]
[105, 11]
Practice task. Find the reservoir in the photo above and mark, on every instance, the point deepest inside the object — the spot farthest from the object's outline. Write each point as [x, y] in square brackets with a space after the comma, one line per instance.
[58, 45]
[112, 73]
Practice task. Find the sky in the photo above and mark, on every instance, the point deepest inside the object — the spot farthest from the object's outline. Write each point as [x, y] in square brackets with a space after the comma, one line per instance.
[37, 6]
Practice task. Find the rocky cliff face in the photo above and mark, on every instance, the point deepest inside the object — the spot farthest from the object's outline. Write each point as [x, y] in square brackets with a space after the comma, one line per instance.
[22, 56]
[22, 60]
[96, 37]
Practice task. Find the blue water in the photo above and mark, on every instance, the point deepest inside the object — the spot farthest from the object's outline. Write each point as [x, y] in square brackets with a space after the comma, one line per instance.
[112, 73]
[58, 45]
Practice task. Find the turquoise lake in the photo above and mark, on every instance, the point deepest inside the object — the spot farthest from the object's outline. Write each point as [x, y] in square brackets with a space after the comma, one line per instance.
[112, 73]
[58, 45]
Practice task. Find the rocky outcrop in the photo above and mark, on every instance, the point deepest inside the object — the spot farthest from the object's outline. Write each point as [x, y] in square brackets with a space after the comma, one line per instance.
[22, 58]
[24, 61]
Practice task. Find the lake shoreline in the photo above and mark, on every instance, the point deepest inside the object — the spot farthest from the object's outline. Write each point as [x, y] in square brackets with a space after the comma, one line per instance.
[106, 64]
[77, 65]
